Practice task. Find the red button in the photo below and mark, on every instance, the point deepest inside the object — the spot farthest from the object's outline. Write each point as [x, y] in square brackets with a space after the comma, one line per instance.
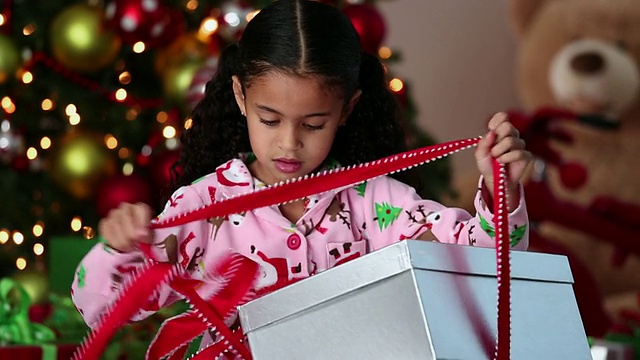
[293, 242]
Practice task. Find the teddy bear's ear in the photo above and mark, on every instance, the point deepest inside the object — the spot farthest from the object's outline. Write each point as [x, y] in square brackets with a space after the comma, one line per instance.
[522, 12]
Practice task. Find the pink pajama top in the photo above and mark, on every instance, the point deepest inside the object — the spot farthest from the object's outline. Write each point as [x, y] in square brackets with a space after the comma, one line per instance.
[336, 227]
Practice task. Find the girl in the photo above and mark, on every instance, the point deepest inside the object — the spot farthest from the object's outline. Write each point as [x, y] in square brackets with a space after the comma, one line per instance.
[296, 95]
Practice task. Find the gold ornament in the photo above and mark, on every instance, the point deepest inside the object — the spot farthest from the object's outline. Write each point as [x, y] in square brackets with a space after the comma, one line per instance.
[35, 283]
[80, 162]
[81, 42]
[9, 58]
[186, 48]
[177, 79]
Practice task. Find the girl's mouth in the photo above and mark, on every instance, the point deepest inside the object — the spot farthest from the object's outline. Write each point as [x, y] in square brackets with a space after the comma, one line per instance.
[287, 166]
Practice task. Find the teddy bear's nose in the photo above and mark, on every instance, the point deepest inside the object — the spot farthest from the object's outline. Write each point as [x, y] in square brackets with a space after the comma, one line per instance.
[588, 63]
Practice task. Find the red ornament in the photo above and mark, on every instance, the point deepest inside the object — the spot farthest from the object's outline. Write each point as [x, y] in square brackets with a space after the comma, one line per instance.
[402, 96]
[195, 92]
[160, 165]
[122, 189]
[369, 24]
[20, 163]
[149, 21]
[233, 19]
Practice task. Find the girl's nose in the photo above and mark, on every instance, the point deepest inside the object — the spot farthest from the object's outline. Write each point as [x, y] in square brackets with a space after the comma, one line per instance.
[290, 139]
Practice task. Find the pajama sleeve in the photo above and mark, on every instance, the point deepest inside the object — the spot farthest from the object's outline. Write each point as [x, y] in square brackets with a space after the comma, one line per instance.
[103, 271]
[394, 212]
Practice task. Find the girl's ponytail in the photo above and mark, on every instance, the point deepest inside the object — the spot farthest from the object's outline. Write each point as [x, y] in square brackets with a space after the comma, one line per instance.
[373, 129]
[372, 72]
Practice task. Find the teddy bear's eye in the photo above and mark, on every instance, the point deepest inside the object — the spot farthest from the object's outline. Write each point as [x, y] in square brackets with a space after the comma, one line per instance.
[574, 38]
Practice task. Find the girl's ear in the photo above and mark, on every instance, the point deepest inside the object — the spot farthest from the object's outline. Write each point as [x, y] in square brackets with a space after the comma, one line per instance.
[350, 105]
[239, 95]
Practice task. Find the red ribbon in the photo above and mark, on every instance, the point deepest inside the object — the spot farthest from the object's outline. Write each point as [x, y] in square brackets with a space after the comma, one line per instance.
[240, 272]
[91, 85]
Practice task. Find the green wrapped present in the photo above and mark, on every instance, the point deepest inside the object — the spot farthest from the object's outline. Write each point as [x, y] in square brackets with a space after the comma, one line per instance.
[21, 338]
[15, 326]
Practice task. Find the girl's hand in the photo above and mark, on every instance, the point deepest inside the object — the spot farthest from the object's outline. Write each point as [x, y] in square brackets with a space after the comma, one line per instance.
[125, 226]
[503, 142]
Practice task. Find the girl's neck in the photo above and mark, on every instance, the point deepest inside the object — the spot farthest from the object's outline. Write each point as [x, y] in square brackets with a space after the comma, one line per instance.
[292, 211]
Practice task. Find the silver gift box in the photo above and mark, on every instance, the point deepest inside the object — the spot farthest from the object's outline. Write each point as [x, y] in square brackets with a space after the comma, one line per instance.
[413, 300]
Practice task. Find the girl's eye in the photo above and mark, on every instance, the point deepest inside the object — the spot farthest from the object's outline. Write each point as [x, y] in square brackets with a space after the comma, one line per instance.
[314, 127]
[269, 122]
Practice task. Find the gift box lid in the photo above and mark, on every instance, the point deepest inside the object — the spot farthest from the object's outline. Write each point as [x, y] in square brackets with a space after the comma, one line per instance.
[392, 260]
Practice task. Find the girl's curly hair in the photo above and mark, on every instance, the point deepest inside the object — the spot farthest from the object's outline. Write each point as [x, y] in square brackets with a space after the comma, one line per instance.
[303, 38]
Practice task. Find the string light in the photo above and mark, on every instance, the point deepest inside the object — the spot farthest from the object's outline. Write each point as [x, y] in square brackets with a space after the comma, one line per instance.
[32, 153]
[76, 223]
[27, 77]
[21, 263]
[8, 105]
[74, 119]
[132, 114]
[232, 19]
[4, 236]
[124, 153]
[188, 123]
[121, 95]
[38, 229]
[251, 15]
[110, 141]
[70, 109]
[191, 5]
[208, 26]
[47, 105]
[171, 144]
[396, 84]
[162, 117]
[169, 132]
[139, 47]
[88, 232]
[146, 150]
[29, 29]
[384, 52]
[18, 238]
[124, 78]
[45, 143]
[127, 169]
[38, 249]
[3, 19]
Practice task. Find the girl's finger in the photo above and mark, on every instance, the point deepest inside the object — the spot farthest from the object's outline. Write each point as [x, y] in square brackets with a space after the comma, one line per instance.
[496, 120]
[141, 217]
[506, 129]
[484, 146]
[514, 156]
[507, 145]
[125, 220]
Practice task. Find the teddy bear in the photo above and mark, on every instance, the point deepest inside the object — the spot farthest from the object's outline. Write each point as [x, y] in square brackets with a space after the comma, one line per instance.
[578, 79]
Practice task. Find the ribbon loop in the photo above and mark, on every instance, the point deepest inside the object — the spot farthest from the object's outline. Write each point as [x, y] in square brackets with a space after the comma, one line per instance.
[15, 326]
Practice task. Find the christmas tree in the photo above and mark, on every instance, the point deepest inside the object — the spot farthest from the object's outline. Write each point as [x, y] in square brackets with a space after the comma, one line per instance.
[94, 95]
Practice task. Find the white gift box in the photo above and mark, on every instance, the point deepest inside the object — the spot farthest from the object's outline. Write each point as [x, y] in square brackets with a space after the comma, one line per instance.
[607, 350]
[413, 300]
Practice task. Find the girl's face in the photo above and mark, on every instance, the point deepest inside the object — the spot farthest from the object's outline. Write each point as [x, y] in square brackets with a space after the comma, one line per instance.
[292, 122]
